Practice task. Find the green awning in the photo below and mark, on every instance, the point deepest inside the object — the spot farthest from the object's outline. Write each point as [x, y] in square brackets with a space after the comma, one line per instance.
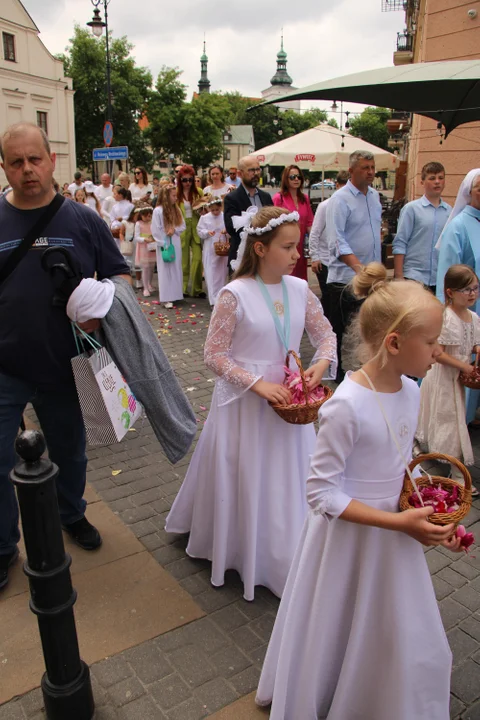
[448, 92]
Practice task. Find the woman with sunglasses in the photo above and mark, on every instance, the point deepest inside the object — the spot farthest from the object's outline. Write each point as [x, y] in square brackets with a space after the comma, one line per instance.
[141, 188]
[187, 194]
[292, 198]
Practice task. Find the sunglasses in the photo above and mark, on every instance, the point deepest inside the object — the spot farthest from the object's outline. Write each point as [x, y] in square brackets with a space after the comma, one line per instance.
[187, 179]
[137, 172]
[294, 177]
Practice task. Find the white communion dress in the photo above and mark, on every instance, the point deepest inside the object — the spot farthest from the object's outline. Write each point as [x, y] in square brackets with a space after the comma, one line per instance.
[214, 266]
[442, 426]
[170, 274]
[358, 635]
[243, 499]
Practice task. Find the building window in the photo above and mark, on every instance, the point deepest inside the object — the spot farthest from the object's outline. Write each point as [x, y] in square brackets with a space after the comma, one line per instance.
[9, 46]
[42, 121]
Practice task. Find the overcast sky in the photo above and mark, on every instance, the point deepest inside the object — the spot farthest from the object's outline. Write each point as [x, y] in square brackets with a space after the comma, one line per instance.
[323, 38]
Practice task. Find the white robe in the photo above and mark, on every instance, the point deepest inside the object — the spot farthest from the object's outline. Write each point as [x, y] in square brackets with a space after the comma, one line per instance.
[358, 635]
[215, 267]
[170, 275]
[243, 498]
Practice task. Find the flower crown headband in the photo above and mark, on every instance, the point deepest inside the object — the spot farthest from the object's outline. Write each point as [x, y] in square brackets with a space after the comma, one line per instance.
[245, 221]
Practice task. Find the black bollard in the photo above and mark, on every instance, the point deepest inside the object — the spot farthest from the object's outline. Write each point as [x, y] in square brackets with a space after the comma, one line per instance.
[66, 685]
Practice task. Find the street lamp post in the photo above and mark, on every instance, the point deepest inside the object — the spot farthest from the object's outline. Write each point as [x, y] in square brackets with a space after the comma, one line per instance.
[97, 25]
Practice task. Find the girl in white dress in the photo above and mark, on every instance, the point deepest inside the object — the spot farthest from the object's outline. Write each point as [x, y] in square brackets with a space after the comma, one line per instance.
[211, 229]
[442, 426]
[167, 224]
[145, 248]
[358, 635]
[243, 498]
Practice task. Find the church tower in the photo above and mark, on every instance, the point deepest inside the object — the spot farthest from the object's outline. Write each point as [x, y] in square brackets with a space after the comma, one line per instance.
[281, 77]
[204, 82]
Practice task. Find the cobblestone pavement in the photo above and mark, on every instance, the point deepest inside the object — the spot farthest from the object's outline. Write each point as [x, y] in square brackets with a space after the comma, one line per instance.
[193, 671]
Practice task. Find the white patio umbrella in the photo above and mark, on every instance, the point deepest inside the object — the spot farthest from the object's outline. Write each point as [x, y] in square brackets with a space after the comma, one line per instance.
[322, 148]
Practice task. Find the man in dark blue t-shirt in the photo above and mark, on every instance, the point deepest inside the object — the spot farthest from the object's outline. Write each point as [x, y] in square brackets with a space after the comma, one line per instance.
[36, 339]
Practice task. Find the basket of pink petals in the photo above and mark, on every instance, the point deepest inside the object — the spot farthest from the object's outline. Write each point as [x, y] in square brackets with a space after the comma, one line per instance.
[471, 381]
[450, 499]
[305, 403]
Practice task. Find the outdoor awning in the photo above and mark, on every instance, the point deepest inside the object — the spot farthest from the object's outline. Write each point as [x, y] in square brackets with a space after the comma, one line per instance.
[448, 92]
[320, 148]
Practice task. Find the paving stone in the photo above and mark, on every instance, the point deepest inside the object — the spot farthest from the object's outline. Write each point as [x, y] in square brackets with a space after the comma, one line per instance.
[462, 645]
[466, 569]
[170, 691]
[194, 584]
[452, 612]
[148, 662]
[151, 542]
[180, 569]
[451, 577]
[107, 712]
[168, 554]
[192, 709]
[436, 560]
[465, 684]
[144, 527]
[162, 505]
[257, 656]
[246, 681]
[216, 598]
[111, 671]
[442, 588]
[263, 626]
[142, 709]
[192, 664]
[120, 505]
[456, 707]
[126, 691]
[472, 626]
[253, 609]
[138, 462]
[472, 517]
[116, 493]
[230, 661]
[32, 702]
[133, 515]
[246, 639]
[173, 640]
[472, 713]
[216, 694]
[468, 596]
[12, 711]
[229, 618]
[144, 483]
[147, 496]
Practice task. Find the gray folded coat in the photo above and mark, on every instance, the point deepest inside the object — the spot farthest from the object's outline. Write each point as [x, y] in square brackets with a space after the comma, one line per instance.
[136, 350]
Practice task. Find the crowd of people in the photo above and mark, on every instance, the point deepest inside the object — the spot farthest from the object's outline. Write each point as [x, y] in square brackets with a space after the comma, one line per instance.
[314, 519]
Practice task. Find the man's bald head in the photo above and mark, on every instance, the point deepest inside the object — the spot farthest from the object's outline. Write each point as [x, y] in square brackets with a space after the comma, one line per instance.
[22, 128]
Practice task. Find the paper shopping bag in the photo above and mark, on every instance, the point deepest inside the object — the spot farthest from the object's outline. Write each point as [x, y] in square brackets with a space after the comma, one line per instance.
[109, 408]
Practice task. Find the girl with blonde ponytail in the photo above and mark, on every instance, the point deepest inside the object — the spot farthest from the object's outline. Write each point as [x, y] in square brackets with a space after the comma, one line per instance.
[358, 632]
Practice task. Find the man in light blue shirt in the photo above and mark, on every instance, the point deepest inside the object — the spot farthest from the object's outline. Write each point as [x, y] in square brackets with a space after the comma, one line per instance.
[354, 215]
[419, 227]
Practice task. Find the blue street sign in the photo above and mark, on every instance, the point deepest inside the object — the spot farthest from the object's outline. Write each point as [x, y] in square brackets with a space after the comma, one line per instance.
[110, 153]
[108, 133]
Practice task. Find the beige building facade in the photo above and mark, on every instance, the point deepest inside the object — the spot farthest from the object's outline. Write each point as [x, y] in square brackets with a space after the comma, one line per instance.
[33, 87]
[440, 30]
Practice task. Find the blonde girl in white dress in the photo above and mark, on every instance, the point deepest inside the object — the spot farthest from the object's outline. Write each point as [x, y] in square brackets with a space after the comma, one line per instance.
[243, 499]
[442, 426]
[167, 224]
[358, 635]
[211, 229]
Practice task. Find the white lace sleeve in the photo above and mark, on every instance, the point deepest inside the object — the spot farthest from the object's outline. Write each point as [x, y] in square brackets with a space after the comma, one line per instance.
[233, 379]
[337, 434]
[320, 334]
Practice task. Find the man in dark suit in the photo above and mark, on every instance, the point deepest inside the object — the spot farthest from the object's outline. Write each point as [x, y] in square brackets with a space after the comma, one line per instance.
[246, 195]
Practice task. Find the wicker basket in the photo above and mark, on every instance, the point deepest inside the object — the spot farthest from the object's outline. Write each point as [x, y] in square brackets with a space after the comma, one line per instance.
[471, 381]
[222, 247]
[465, 491]
[301, 414]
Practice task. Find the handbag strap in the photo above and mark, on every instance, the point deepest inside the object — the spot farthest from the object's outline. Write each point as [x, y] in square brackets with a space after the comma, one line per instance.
[393, 435]
[38, 227]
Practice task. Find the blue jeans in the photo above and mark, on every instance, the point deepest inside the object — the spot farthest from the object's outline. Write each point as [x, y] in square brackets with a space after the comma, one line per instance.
[60, 418]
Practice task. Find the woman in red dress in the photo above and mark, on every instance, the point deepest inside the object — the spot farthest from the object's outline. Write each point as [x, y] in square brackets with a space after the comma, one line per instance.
[292, 198]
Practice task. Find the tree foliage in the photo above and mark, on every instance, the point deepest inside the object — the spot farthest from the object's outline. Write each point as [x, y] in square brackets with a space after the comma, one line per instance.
[166, 114]
[85, 62]
[371, 126]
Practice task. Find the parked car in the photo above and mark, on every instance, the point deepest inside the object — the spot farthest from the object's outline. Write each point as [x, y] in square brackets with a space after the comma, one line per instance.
[326, 184]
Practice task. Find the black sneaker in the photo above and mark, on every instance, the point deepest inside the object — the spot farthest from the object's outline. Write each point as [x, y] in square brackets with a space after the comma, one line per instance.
[5, 562]
[84, 534]
[202, 295]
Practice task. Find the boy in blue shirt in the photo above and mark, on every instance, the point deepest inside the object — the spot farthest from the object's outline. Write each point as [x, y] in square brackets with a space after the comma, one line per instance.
[420, 224]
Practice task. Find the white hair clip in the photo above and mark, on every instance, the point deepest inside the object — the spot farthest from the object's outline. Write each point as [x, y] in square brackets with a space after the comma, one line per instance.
[245, 221]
